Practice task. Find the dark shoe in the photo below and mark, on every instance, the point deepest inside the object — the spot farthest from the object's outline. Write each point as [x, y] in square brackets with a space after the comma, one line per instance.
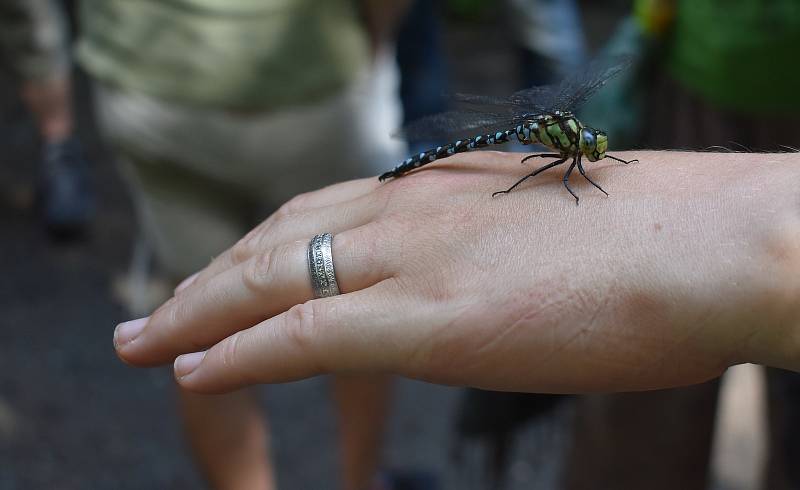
[407, 480]
[66, 198]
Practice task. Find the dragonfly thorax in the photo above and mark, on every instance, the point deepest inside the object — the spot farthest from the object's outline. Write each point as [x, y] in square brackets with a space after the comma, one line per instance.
[559, 130]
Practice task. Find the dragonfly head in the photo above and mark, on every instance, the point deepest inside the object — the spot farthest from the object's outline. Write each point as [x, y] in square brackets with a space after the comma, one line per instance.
[593, 144]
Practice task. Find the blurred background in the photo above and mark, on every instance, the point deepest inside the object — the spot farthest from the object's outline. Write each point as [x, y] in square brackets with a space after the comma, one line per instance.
[116, 120]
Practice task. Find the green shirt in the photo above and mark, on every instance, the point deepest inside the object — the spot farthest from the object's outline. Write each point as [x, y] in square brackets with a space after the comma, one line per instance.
[740, 54]
[237, 54]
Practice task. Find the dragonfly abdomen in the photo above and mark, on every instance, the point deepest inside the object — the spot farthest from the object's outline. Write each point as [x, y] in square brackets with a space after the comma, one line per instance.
[460, 146]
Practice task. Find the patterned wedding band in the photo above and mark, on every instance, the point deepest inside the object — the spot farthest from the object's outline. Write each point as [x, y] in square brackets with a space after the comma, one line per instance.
[320, 266]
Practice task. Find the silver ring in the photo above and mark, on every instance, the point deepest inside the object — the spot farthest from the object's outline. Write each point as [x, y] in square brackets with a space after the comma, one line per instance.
[320, 266]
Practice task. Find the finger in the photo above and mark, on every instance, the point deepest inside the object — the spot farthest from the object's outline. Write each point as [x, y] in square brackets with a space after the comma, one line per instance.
[186, 283]
[355, 332]
[285, 228]
[259, 288]
[302, 203]
[332, 194]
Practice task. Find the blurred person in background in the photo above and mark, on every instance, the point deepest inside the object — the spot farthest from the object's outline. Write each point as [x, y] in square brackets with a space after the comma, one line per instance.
[550, 39]
[35, 51]
[217, 111]
[726, 78]
[423, 65]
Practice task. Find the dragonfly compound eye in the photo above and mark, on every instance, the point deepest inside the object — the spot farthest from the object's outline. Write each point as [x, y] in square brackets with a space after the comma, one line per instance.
[588, 141]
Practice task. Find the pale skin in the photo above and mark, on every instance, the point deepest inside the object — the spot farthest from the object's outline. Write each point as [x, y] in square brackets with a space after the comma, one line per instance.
[690, 266]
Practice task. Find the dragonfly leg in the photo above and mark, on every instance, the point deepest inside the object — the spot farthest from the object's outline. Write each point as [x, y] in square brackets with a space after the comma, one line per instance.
[583, 172]
[532, 174]
[623, 161]
[540, 155]
[565, 180]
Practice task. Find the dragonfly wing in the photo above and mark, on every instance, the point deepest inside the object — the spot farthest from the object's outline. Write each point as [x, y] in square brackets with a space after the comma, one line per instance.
[452, 125]
[578, 88]
[535, 100]
[484, 114]
[478, 103]
[574, 90]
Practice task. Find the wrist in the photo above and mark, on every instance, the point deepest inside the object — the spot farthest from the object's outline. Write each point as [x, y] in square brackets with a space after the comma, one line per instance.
[775, 340]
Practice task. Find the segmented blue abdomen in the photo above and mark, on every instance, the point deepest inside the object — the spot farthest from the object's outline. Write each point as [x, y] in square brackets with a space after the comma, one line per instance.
[460, 146]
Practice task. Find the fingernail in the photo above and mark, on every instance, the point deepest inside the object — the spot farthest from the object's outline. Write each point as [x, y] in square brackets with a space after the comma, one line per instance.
[186, 282]
[127, 332]
[185, 364]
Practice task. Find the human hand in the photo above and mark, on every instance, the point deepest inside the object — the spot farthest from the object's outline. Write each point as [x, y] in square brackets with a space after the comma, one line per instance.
[689, 267]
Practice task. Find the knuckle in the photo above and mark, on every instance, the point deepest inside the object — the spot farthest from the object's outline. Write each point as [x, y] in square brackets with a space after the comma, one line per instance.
[164, 313]
[254, 233]
[234, 361]
[292, 206]
[170, 315]
[179, 317]
[174, 314]
[243, 250]
[229, 351]
[256, 273]
[304, 325]
[172, 319]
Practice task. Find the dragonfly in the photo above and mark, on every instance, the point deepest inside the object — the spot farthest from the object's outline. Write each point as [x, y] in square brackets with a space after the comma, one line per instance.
[541, 114]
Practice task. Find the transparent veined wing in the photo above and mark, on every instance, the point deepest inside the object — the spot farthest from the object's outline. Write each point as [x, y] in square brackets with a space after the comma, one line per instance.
[574, 90]
[528, 101]
[487, 103]
[459, 124]
[536, 100]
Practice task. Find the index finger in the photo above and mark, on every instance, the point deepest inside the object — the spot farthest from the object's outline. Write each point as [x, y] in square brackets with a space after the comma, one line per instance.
[355, 332]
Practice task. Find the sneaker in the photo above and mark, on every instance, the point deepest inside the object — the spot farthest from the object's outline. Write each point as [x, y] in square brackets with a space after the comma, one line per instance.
[66, 198]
